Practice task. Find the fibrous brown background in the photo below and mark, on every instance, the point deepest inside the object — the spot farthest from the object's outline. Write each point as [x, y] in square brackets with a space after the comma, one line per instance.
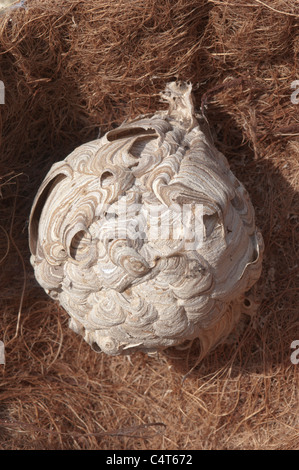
[72, 69]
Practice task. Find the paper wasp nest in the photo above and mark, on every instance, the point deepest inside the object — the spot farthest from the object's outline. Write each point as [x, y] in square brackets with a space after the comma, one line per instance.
[145, 236]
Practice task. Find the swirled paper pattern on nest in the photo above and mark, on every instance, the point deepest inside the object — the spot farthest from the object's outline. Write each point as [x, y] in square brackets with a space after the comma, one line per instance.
[145, 236]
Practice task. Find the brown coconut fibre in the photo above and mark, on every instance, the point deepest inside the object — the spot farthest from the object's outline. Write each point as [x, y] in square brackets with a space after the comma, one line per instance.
[73, 69]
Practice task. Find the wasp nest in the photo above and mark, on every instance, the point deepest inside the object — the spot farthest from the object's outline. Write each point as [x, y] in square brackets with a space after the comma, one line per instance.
[145, 236]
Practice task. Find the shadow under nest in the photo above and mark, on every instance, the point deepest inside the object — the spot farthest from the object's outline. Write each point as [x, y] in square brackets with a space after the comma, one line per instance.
[55, 392]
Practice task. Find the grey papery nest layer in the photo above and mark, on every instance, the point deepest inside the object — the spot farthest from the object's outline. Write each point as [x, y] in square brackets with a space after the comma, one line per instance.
[145, 236]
